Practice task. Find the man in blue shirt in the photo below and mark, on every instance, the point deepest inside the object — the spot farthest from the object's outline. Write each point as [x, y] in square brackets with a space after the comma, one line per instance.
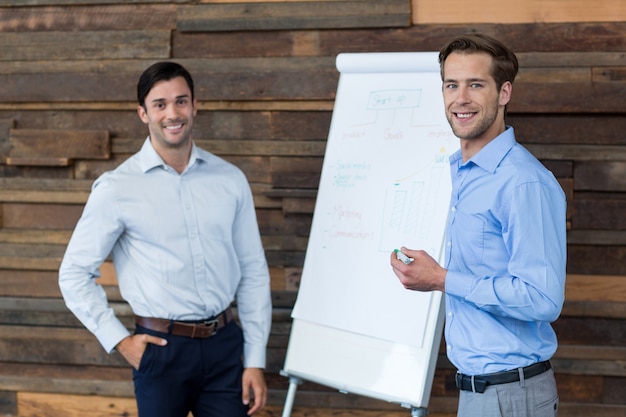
[181, 227]
[504, 274]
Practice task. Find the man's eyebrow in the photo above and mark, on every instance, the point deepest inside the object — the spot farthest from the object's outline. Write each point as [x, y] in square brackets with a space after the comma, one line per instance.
[467, 81]
[159, 100]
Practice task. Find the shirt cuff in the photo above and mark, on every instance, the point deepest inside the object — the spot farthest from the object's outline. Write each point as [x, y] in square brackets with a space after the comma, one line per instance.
[253, 356]
[110, 334]
[458, 284]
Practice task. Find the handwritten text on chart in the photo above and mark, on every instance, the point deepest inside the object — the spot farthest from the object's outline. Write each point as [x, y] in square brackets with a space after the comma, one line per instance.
[351, 173]
[354, 134]
[347, 224]
[393, 134]
[350, 234]
[394, 99]
[440, 134]
[343, 213]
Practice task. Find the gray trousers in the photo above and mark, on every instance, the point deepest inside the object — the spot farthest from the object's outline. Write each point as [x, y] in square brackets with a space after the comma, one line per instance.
[534, 397]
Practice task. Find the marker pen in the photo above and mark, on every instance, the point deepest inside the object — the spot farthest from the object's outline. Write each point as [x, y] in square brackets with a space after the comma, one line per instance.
[403, 257]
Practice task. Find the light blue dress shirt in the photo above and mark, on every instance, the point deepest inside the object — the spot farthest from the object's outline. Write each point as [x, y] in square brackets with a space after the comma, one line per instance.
[506, 256]
[184, 247]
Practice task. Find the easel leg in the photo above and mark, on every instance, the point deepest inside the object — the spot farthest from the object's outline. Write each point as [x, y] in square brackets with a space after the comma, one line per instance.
[291, 395]
[419, 412]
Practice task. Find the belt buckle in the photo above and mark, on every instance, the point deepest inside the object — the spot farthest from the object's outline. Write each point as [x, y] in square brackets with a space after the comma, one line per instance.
[470, 383]
[204, 329]
[458, 379]
[209, 323]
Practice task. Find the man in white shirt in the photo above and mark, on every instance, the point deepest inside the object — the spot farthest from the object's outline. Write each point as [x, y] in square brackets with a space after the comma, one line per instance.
[181, 227]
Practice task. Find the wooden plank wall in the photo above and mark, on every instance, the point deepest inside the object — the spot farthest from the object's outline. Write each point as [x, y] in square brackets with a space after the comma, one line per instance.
[266, 81]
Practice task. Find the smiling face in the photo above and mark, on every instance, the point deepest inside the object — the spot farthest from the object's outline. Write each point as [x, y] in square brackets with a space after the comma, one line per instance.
[474, 106]
[169, 112]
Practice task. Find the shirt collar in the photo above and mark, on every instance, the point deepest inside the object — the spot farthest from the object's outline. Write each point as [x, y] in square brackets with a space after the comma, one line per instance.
[489, 157]
[149, 158]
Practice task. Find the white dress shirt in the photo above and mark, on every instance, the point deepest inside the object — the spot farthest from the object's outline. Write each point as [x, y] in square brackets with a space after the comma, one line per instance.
[184, 247]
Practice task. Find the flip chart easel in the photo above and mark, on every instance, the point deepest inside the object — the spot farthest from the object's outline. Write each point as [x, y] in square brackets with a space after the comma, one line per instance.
[385, 183]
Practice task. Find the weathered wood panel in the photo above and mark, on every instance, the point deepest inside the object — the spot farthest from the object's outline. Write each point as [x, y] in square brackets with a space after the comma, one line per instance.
[29, 145]
[580, 153]
[607, 176]
[569, 129]
[237, 44]
[586, 211]
[47, 184]
[210, 123]
[294, 15]
[595, 288]
[459, 11]
[591, 259]
[32, 46]
[31, 257]
[38, 216]
[597, 237]
[5, 127]
[75, 346]
[120, 17]
[35, 283]
[264, 148]
[432, 11]
[8, 403]
[591, 331]
[81, 2]
[574, 97]
[230, 79]
[279, 79]
[32, 404]
[537, 37]
[296, 172]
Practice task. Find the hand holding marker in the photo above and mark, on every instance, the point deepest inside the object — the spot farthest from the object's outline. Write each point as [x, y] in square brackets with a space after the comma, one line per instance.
[400, 255]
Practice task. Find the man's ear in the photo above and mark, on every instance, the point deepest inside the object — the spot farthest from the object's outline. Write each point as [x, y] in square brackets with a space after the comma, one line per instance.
[142, 114]
[505, 93]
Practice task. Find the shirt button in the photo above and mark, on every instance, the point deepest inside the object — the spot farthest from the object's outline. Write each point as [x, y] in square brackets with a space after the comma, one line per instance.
[453, 209]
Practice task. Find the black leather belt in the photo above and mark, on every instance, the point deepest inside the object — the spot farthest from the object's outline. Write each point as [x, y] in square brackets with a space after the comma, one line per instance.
[478, 383]
[196, 330]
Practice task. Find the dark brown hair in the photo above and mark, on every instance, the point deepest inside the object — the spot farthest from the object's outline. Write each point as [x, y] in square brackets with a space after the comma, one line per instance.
[505, 65]
[161, 71]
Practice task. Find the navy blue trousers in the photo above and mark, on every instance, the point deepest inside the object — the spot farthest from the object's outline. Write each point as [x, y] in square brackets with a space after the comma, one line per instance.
[198, 375]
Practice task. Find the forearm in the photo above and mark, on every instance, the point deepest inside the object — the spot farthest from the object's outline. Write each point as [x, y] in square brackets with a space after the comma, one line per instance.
[89, 304]
[509, 296]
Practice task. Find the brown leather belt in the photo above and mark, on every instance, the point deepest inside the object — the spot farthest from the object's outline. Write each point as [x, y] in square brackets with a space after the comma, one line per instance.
[200, 330]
